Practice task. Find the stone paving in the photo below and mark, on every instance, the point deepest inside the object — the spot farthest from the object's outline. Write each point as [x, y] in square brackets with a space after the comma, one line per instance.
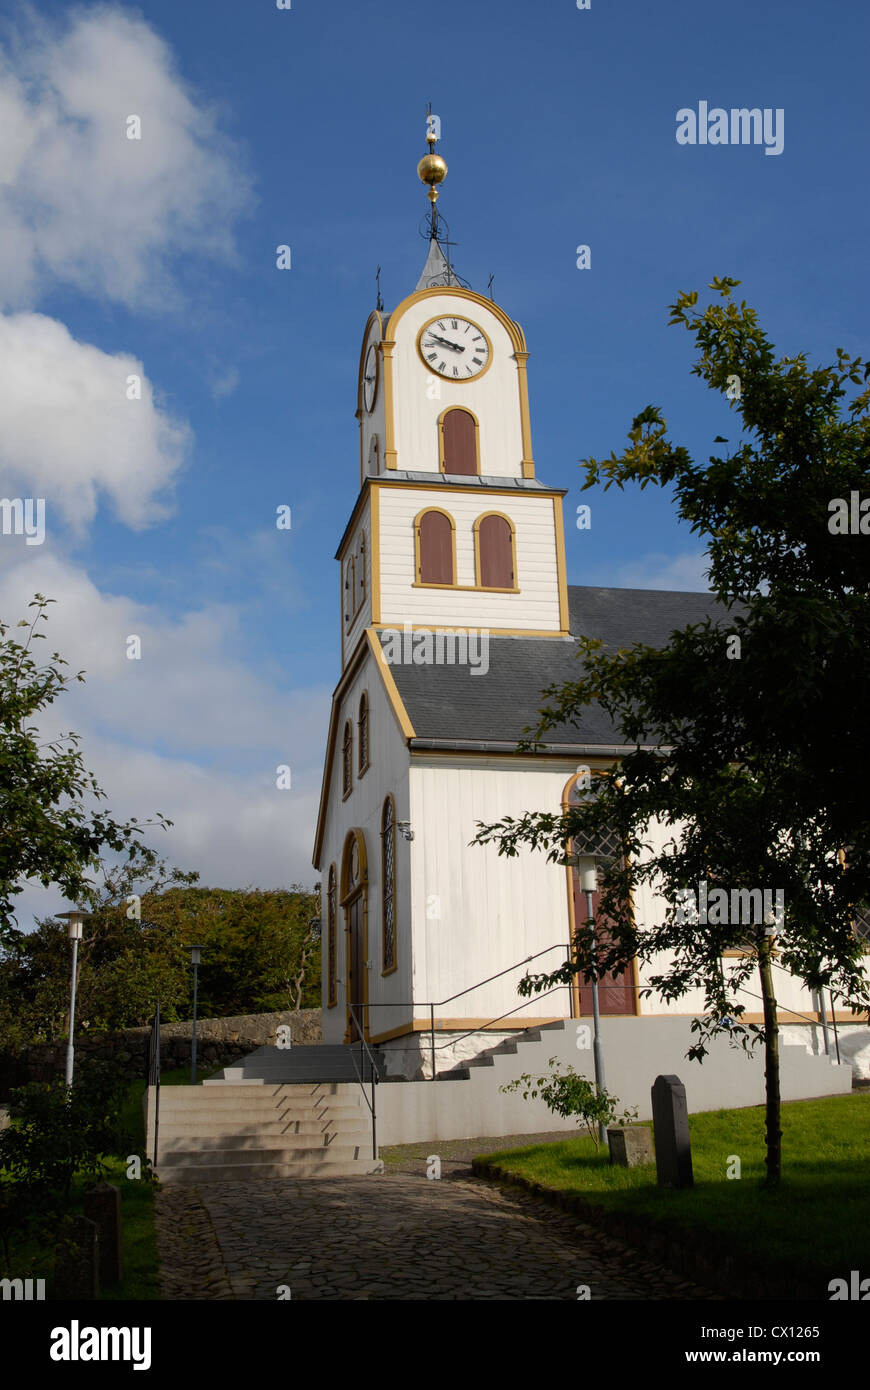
[396, 1236]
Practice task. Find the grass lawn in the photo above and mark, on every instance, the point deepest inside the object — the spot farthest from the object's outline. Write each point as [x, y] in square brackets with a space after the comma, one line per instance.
[816, 1225]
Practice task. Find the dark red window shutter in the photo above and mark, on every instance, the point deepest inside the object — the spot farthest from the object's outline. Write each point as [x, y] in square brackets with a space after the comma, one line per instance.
[460, 444]
[496, 557]
[436, 549]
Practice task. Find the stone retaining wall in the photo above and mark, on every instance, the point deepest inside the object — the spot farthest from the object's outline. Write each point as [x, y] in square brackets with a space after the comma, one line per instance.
[218, 1040]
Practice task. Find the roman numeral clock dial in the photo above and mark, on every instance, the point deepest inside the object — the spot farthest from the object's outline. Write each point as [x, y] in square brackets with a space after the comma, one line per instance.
[454, 348]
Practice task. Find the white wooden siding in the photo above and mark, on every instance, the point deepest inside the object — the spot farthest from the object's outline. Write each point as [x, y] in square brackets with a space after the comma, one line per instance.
[388, 759]
[535, 607]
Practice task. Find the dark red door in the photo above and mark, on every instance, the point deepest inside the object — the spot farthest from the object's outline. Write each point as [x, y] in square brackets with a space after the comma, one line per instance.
[616, 993]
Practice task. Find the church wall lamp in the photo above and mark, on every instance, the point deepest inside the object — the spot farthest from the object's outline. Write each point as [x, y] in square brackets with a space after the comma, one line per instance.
[404, 829]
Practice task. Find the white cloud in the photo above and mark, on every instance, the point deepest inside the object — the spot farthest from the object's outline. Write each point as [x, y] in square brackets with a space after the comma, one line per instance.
[68, 431]
[659, 571]
[188, 730]
[82, 204]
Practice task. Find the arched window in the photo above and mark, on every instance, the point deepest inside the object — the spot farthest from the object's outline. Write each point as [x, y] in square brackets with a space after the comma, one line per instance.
[388, 884]
[363, 733]
[494, 552]
[458, 443]
[436, 548]
[331, 943]
[362, 567]
[616, 993]
[349, 590]
[347, 760]
[354, 901]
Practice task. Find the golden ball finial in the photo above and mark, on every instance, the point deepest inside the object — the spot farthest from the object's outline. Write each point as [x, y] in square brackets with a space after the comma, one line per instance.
[432, 169]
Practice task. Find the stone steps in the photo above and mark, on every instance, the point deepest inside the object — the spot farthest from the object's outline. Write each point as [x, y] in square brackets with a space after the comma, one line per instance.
[244, 1132]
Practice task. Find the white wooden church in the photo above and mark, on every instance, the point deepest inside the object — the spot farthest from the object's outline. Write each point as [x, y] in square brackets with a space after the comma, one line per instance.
[455, 614]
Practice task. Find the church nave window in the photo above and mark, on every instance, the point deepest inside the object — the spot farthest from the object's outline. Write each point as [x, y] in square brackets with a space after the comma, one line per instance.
[363, 733]
[435, 543]
[494, 552]
[388, 884]
[347, 760]
[331, 943]
[458, 442]
[349, 590]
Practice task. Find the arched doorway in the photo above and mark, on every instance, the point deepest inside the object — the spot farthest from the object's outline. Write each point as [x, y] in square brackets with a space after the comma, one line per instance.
[617, 994]
[354, 902]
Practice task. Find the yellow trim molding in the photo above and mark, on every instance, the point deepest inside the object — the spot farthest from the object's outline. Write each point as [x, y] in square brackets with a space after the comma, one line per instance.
[405, 725]
[387, 348]
[561, 568]
[375, 560]
[528, 462]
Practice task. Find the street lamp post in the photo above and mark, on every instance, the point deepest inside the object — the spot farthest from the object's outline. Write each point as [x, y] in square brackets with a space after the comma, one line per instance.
[194, 960]
[74, 921]
[588, 875]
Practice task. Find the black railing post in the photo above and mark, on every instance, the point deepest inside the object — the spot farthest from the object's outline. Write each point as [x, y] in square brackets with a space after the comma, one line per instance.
[154, 1075]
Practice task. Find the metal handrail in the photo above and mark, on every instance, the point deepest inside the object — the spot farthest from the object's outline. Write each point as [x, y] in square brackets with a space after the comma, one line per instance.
[374, 1076]
[432, 1005]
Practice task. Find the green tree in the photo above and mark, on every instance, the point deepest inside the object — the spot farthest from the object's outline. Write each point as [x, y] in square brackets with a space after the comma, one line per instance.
[747, 731]
[50, 829]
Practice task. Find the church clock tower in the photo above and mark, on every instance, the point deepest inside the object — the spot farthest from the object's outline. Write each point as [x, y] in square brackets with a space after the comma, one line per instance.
[452, 565]
[451, 528]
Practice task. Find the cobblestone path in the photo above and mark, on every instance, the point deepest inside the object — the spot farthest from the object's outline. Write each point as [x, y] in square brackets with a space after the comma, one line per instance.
[398, 1236]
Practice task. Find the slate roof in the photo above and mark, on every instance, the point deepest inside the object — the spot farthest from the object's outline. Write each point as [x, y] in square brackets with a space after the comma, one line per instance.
[488, 712]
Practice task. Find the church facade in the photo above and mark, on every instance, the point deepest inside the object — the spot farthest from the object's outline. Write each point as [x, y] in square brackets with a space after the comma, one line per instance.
[455, 614]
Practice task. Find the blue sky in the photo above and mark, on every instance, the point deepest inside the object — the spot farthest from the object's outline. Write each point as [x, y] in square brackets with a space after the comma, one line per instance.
[263, 127]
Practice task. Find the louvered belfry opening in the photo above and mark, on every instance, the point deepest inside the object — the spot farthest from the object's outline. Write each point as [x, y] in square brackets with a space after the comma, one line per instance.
[496, 553]
[459, 439]
[436, 549]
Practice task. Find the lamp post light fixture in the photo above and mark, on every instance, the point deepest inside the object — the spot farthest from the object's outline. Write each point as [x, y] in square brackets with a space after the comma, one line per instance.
[74, 921]
[195, 961]
[587, 872]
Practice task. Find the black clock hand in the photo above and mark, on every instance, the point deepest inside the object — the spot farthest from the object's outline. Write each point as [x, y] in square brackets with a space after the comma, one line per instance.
[454, 347]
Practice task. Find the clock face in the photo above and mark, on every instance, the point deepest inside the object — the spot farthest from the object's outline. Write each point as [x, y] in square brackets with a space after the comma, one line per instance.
[454, 348]
[370, 377]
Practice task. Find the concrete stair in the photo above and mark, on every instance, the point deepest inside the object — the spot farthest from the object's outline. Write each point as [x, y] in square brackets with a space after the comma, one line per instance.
[288, 1066]
[244, 1132]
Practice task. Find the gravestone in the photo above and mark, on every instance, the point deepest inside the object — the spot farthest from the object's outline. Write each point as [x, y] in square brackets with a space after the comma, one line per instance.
[76, 1261]
[630, 1145]
[102, 1205]
[671, 1126]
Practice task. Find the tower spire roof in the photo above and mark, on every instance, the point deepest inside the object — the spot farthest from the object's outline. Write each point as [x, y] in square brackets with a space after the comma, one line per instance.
[432, 170]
